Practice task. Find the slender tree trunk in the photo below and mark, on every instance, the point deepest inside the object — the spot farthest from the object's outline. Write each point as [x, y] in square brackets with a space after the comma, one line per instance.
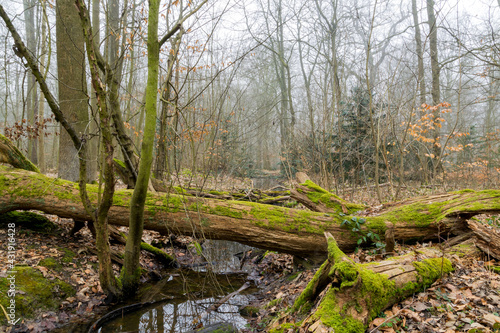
[130, 84]
[310, 108]
[93, 143]
[131, 269]
[435, 68]
[165, 131]
[106, 275]
[420, 53]
[373, 126]
[31, 97]
[41, 102]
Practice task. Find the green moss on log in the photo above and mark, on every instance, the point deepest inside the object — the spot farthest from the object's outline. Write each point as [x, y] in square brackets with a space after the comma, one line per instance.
[330, 200]
[214, 192]
[331, 315]
[14, 157]
[355, 288]
[431, 269]
[371, 291]
[166, 258]
[226, 211]
[274, 217]
[423, 214]
[28, 220]
[304, 302]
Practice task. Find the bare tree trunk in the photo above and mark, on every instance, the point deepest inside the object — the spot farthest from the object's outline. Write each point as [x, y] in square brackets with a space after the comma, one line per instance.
[373, 126]
[31, 97]
[420, 53]
[72, 84]
[41, 102]
[435, 67]
[165, 130]
[107, 279]
[93, 143]
[310, 108]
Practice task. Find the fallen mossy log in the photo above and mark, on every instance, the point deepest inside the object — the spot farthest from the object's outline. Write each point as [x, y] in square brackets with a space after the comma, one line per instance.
[346, 296]
[291, 231]
[11, 155]
[270, 197]
[318, 199]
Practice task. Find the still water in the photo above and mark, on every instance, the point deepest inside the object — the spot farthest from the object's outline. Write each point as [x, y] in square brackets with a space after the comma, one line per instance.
[189, 294]
[179, 317]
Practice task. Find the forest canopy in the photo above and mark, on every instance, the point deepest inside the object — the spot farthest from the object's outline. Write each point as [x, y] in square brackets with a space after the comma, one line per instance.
[356, 92]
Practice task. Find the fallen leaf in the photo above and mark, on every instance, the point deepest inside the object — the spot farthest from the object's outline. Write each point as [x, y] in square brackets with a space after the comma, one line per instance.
[490, 320]
[378, 321]
[419, 306]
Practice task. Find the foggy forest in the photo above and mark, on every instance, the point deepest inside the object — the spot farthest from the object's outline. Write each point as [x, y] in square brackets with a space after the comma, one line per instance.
[342, 133]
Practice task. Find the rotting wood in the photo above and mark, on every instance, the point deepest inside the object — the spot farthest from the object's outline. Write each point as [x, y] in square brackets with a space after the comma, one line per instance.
[269, 197]
[345, 296]
[487, 238]
[280, 229]
[458, 239]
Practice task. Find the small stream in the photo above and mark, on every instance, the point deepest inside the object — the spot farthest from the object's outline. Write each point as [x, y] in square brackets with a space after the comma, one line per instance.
[178, 316]
[188, 294]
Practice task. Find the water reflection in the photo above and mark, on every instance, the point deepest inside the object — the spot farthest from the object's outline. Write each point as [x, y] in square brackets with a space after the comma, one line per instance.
[220, 256]
[179, 317]
[189, 294]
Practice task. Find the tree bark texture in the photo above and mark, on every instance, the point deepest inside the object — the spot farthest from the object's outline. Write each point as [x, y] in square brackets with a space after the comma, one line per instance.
[487, 238]
[291, 231]
[72, 88]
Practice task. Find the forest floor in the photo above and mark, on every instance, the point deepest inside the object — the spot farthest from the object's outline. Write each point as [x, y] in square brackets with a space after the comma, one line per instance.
[467, 300]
